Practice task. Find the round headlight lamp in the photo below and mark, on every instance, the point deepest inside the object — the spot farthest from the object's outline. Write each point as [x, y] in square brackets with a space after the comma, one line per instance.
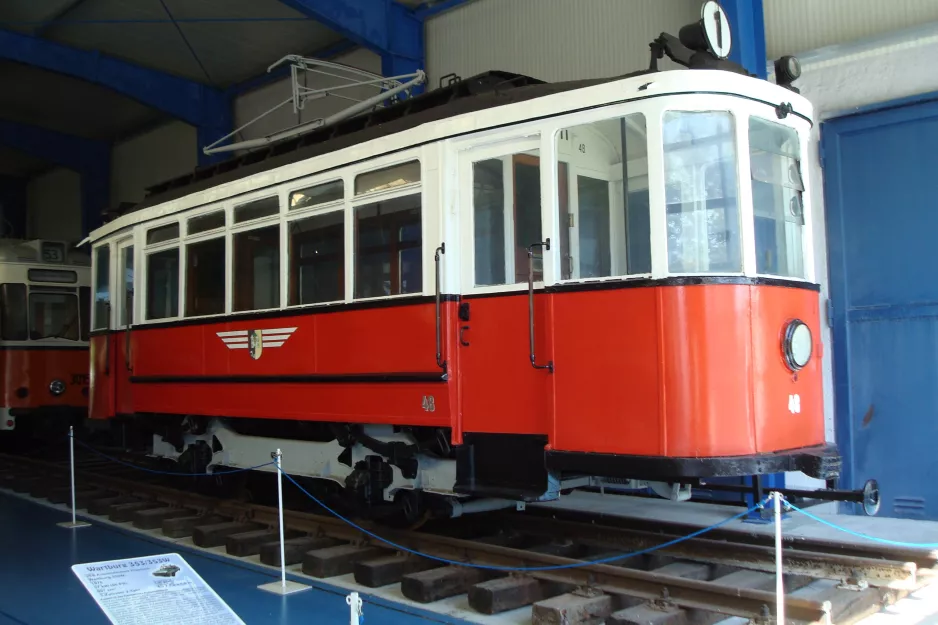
[797, 344]
[56, 387]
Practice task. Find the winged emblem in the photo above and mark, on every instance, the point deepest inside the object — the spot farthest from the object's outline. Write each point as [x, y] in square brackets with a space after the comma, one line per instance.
[255, 341]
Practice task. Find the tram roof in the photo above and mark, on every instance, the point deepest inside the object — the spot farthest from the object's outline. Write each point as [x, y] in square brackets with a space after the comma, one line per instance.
[483, 91]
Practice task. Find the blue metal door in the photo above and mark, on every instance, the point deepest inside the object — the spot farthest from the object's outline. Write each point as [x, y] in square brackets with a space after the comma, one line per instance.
[881, 194]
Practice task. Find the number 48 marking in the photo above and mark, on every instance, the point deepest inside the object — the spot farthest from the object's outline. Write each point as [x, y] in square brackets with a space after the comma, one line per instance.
[794, 403]
[428, 404]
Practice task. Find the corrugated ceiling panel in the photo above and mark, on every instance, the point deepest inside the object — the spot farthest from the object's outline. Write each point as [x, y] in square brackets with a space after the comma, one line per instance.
[551, 40]
[795, 26]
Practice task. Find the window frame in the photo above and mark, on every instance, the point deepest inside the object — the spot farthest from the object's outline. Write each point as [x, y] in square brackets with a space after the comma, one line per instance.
[186, 239]
[96, 326]
[327, 208]
[231, 229]
[807, 235]
[142, 260]
[353, 202]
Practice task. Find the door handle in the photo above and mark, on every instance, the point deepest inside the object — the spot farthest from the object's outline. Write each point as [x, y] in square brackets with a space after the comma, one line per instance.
[546, 245]
[462, 332]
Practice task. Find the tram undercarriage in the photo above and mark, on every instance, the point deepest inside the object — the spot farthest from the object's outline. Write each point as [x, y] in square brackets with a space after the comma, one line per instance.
[395, 474]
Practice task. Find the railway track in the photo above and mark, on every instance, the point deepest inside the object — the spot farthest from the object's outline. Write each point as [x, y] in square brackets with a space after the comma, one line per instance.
[702, 580]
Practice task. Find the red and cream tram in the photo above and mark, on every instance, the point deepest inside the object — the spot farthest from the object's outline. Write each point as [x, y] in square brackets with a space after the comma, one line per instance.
[45, 294]
[499, 288]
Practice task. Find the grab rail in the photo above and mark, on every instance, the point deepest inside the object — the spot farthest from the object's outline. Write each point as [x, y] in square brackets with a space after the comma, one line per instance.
[546, 245]
[107, 340]
[128, 318]
[439, 329]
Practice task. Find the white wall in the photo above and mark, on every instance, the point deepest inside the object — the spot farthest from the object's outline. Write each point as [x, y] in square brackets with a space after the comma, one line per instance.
[53, 201]
[552, 40]
[794, 26]
[149, 158]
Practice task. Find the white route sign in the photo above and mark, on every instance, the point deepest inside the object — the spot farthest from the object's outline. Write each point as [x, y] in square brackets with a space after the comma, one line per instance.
[152, 590]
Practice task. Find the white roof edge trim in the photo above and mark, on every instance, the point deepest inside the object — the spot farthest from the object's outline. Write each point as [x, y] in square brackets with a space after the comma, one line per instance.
[672, 82]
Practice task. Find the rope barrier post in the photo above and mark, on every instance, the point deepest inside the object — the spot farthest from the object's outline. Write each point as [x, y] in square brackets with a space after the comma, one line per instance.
[283, 587]
[74, 523]
[779, 581]
[355, 608]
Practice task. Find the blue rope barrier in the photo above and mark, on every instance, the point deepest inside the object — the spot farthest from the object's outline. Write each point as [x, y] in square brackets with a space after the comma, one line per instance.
[157, 472]
[555, 567]
[885, 541]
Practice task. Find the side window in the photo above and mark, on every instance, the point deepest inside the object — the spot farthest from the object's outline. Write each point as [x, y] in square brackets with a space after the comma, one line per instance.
[102, 289]
[257, 268]
[256, 278]
[163, 284]
[506, 197]
[603, 200]
[701, 192]
[317, 258]
[13, 312]
[162, 269]
[388, 247]
[205, 277]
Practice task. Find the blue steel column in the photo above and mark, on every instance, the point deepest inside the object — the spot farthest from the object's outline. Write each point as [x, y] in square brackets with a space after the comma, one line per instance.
[747, 25]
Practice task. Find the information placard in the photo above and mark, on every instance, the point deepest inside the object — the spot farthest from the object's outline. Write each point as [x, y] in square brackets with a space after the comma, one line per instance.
[154, 589]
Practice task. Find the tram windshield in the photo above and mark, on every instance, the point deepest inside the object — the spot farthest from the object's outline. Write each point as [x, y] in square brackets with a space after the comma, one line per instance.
[700, 192]
[53, 316]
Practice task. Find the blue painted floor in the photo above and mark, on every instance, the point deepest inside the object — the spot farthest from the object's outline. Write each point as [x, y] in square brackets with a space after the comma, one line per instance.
[37, 586]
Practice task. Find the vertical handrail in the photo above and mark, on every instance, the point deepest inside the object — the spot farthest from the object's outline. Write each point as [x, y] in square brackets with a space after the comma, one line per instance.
[440, 362]
[128, 321]
[107, 340]
[546, 245]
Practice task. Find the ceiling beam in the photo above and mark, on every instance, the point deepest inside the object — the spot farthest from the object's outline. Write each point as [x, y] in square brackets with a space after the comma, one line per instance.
[90, 158]
[383, 26]
[204, 107]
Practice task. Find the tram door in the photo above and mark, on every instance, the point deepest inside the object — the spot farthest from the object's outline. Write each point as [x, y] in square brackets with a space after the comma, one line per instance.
[500, 209]
[124, 315]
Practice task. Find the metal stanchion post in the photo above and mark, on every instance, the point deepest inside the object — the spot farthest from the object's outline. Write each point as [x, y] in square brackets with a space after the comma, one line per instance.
[71, 456]
[779, 581]
[355, 608]
[283, 587]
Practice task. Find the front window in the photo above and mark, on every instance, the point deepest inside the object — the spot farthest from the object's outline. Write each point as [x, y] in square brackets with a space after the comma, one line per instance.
[53, 316]
[777, 189]
[701, 192]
